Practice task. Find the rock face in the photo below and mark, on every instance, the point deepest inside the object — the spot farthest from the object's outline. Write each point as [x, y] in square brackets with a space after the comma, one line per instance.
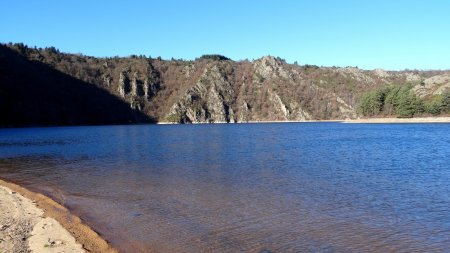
[134, 85]
[137, 85]
[123, 84]
[434, 85]
[208, 101]
[152, 82]
[220, 90]
[270, 67]
[284, 112]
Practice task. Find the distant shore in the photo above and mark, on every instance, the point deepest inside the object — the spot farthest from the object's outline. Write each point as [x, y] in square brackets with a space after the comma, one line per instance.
[400, 120]
[362, 120]
[33, 222]
[257, 121]
[443, 119]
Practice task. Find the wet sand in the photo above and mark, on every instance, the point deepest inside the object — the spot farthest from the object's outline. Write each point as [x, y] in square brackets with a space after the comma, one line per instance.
[32, 222]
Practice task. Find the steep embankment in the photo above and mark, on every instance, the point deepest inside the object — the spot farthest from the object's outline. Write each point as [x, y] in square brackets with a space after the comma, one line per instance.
[62, 88]
[36, 93]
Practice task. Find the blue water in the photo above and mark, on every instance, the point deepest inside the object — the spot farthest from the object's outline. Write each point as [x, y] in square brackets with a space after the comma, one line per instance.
[292, 187]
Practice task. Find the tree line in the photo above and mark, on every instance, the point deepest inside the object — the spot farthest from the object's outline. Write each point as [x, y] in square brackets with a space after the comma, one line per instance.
[402, 101]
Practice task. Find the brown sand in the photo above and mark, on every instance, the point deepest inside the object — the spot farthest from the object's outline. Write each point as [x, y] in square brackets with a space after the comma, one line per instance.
[36, 223]
[400, 120]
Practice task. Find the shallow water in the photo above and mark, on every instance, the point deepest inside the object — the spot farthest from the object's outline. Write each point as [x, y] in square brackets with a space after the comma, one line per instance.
[293, 187]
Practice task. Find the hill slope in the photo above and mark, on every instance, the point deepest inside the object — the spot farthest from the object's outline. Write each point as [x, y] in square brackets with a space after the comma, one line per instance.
[34, 93]
[45, 86]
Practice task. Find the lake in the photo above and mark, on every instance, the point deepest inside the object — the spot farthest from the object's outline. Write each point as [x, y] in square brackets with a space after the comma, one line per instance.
[288, 187]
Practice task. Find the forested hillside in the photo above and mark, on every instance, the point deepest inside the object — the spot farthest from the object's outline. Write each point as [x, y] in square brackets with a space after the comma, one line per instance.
[43, 86]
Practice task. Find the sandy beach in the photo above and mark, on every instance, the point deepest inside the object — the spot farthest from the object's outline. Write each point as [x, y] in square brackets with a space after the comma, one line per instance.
[32, 222]
[400, 120]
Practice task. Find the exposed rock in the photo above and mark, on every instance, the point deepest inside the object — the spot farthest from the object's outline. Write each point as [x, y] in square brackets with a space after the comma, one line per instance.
[136, 105]
[231, 117]
[435, 85]
[346, 110]
[188, 70]
[285, 111]
[146, 89]
[123, 85]
[297, 113]
[134, 85]
[412, 77]
[269, 67]
[280, 111]
[356, 73]
[207, 102]
[381, 73]
[152, 82]
[215, 105]
[107, 80]
[208, 90]
[244, 113]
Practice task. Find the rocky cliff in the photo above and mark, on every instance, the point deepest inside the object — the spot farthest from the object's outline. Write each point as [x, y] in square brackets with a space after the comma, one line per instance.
[216, 89]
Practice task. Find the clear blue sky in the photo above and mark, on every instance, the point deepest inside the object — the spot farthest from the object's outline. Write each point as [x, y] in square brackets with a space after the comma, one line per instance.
[390, 34]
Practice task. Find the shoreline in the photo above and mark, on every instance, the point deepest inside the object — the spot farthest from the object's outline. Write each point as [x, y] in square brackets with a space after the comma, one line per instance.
[253, 122]
[47, 220]
[442, 119]
[397, 120]
[387, 120]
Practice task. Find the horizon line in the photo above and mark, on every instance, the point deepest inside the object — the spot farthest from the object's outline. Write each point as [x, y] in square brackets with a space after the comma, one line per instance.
[172, 58]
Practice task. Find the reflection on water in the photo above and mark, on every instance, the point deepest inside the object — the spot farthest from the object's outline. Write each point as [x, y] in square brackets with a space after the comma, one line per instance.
[315, 187]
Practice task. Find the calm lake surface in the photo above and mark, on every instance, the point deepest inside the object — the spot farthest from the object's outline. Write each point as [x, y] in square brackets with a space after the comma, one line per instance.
[293, 187]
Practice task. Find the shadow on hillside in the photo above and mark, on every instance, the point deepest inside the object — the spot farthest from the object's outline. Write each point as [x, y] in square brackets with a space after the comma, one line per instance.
[34, 94]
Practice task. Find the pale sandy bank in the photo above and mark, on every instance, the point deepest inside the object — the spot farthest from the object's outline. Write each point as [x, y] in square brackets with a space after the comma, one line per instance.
[254, 122]
[400, 120]
[32, 222]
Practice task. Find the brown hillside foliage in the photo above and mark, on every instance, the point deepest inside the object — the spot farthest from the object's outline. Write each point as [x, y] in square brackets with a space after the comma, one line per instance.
[209, 89]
